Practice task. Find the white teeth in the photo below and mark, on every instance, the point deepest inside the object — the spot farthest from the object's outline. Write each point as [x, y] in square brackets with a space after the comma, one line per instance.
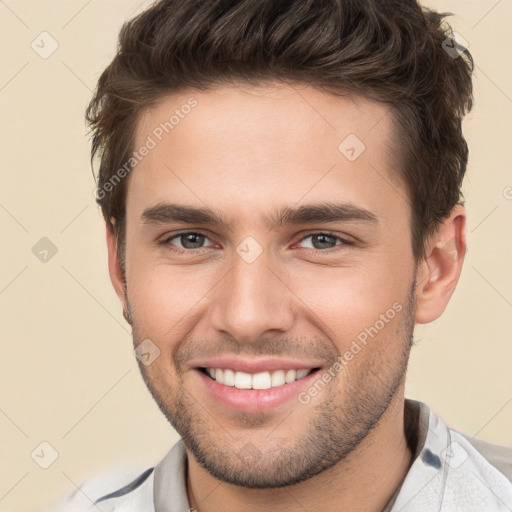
[278, 378]
[302, 373]
[229, 378]
[290, 376]
[242, 380]
[262, 380]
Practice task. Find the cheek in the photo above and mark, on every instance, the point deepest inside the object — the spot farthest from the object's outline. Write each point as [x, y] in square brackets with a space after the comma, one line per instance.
[164, 297]
[347, 303]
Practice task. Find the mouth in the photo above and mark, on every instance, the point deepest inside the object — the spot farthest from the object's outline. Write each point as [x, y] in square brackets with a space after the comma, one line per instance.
[253, 393]
[260, 380]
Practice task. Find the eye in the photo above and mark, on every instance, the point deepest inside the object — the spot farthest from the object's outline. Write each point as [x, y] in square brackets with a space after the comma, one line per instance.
[187, 241]
[191, 241]
[323, 240]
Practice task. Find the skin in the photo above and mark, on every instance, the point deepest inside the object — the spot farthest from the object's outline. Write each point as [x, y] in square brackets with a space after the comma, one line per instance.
[245, 152]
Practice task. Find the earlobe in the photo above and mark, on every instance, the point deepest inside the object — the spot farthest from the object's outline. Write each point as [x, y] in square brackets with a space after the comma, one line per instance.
[439, 272]
[114, 268]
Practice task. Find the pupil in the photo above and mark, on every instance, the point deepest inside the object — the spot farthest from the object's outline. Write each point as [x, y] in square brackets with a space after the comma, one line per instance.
[192, 240]
[323, 243]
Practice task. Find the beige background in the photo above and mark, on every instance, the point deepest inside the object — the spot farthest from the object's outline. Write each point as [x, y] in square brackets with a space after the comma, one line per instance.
[68, 376]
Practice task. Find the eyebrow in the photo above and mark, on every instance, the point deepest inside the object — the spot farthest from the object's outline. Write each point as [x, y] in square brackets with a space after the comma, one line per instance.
[164, 213]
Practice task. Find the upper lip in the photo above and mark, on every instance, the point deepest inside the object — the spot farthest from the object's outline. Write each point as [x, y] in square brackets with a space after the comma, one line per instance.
[253, 365]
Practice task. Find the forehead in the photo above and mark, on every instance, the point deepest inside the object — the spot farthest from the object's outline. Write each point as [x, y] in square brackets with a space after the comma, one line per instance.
[291, 112]
[268, 144]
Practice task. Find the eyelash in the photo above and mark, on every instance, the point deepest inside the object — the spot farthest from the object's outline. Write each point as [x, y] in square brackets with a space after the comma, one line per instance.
[166, 242]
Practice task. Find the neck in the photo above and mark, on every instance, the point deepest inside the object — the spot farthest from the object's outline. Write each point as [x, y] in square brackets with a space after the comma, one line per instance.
[365, 480]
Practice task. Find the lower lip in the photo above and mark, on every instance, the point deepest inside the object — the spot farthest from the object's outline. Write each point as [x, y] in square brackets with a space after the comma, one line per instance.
[254, 400]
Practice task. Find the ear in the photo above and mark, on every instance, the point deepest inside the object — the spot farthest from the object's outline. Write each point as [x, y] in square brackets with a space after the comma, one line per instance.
[114, 268]
[438, 274]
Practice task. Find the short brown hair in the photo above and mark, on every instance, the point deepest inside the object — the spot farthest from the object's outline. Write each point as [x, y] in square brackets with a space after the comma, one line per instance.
[392, 51]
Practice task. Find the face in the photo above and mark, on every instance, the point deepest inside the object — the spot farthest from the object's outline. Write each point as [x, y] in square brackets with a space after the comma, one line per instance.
[296, 256]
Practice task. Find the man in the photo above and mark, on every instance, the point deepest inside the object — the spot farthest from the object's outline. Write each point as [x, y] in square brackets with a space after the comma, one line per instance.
[281, 184]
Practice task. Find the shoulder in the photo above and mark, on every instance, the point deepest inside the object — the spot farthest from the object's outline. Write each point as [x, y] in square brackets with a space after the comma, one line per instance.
[453, 472]
[482, 470]
[120, 491]
[497, 455]
[458, 446]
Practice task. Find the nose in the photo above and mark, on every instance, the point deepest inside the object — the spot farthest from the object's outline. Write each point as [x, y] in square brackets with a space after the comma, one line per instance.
[251, 300]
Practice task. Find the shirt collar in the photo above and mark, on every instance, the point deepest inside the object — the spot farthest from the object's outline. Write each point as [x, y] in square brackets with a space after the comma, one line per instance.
[170, 481]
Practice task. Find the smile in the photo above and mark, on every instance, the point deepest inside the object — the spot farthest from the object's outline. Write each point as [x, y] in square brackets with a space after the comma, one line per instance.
[261, 380]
